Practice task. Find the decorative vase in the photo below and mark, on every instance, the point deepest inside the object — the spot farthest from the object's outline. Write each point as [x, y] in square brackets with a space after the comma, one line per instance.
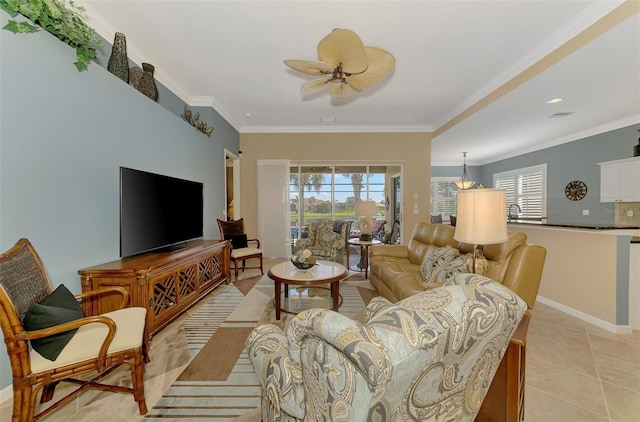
[118, 62]
[147, 84]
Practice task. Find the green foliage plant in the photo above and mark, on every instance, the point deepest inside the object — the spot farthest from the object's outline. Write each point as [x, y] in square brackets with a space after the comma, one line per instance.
[61, 18]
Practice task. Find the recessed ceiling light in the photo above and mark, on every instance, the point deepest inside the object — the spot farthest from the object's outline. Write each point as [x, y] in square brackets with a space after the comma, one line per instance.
[328, 119]
[247, 115]
[555, 100]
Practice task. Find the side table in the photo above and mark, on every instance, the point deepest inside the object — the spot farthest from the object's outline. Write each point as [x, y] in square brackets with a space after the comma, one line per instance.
[364, 248]
[505, 399]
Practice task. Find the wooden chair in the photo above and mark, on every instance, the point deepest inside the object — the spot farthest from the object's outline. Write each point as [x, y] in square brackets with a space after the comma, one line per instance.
[101, 343]
[240, 249]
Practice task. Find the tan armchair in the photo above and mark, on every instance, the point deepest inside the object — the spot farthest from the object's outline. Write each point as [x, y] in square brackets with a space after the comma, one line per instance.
[101, 343]
[431, 356]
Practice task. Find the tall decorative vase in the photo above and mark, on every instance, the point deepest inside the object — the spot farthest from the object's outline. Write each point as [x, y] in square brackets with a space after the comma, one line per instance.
[147, 84]
[118, 62]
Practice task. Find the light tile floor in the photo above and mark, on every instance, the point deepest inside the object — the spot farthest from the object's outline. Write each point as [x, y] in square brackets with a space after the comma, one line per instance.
[576, 372]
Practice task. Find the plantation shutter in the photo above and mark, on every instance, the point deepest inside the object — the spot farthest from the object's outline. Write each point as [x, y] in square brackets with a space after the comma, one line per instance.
[525, 187]
[444, 197]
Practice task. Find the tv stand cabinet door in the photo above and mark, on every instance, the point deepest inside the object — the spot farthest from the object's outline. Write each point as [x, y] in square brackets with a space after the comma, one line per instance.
[213, 269]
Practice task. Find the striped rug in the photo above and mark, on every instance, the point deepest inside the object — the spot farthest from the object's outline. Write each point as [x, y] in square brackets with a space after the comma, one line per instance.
[201, 392]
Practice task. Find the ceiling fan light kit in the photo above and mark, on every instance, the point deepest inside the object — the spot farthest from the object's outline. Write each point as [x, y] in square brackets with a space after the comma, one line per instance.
[346, 66]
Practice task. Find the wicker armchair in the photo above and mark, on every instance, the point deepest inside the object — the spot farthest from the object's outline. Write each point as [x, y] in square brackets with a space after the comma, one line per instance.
[101, 343]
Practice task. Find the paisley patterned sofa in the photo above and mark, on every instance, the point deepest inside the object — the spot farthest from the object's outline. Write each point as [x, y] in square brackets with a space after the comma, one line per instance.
[324, 242]
[429, 357]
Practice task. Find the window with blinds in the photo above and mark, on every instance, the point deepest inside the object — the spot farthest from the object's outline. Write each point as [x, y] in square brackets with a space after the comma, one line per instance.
[444, 197]
[525, 187]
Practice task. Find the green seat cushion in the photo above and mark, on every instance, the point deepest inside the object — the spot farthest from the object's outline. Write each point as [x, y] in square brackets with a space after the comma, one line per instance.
[57, 308]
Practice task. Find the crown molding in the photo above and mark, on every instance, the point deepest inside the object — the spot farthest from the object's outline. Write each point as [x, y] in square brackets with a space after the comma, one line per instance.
[596, 130]
[335, 129]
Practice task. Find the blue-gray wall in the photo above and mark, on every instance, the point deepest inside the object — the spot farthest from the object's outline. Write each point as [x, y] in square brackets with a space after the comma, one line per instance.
[575, 160]
[63, 136]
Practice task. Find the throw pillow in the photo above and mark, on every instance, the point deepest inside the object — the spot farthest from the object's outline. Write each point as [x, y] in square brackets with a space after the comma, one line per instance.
[57, 308]
[237, 241]
[448, 270]
[435, 259]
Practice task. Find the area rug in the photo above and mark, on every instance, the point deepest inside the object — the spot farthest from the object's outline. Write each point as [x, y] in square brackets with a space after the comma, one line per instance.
[219, 383]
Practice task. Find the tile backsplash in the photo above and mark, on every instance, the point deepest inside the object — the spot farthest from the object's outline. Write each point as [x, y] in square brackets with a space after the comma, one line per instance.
[627, 214]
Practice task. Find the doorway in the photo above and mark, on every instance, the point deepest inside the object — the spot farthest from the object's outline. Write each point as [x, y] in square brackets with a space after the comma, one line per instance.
[232, 186]
[396, 209]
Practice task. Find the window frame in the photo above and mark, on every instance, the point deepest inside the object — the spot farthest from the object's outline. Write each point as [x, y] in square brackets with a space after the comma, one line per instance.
[434, 199]
[520, 197]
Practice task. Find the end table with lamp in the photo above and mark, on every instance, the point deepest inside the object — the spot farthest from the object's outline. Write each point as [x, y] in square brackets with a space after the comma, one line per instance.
[364, 251]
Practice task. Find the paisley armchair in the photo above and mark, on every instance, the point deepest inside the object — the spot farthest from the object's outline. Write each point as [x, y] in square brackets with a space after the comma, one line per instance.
[431, 356]
[324, 242]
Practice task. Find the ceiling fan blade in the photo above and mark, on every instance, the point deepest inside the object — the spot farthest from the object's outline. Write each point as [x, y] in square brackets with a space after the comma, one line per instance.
[310, 67]
[315, 85]
[381, 64]
[343, 47]
[342, 91]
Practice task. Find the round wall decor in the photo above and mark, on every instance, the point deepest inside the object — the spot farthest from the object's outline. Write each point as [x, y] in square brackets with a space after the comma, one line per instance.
[575, 190]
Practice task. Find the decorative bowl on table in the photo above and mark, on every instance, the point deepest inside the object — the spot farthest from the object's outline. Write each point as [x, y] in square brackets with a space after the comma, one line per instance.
[303, 260]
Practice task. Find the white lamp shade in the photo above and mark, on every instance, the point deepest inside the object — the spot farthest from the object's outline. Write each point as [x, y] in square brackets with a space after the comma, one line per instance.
[482, 217]
[366, 208]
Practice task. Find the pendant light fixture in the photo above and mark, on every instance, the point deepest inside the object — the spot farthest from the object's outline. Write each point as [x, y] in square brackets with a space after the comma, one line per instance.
[464, 182]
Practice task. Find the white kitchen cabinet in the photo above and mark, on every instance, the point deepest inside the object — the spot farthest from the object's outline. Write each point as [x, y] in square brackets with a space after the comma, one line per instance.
[620, 180]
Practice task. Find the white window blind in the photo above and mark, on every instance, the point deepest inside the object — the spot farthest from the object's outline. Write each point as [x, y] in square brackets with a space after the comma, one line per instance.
[444, 197]
[525, 187]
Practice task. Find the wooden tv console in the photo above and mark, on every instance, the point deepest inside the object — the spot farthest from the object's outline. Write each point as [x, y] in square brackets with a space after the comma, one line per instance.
[166, 283]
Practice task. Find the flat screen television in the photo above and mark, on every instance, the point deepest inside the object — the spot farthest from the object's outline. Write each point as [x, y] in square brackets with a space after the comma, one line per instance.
[157, 212]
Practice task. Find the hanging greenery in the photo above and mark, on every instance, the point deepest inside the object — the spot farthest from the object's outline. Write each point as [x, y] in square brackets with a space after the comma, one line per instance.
[61, 18]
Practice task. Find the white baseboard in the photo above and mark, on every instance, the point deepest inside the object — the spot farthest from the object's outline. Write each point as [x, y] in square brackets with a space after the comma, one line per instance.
[6, 394]
[618, 329]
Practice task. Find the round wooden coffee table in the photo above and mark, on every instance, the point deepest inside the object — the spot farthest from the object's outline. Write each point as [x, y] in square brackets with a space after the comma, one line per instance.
[324, 272]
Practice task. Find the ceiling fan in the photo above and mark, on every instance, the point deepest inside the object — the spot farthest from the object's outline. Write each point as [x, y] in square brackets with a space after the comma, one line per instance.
[347, 66]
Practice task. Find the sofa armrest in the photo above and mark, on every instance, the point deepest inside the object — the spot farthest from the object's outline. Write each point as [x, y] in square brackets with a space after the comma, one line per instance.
[399, 251]
[525, 272]
[356, 342]
[280, 376]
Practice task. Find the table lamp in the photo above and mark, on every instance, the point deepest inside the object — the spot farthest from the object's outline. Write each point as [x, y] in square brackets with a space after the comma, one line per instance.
[481, 220]
[366, 210]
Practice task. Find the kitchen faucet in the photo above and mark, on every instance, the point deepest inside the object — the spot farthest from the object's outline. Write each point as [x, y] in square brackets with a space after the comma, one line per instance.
[510, 216]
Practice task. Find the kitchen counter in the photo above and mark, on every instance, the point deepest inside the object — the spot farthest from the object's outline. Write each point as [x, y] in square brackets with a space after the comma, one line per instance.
[632, 232]
[573, 226]
[589, 273]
